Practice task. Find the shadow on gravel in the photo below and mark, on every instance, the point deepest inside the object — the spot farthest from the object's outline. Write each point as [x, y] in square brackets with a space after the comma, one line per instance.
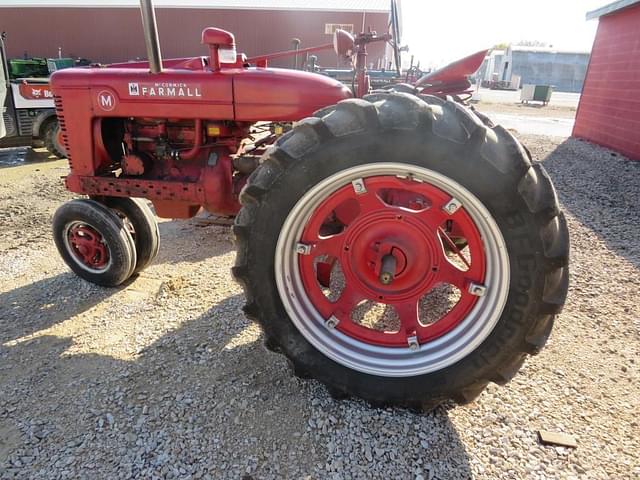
[203, 398]
[602, 190]
[196, 240]
[47, 302]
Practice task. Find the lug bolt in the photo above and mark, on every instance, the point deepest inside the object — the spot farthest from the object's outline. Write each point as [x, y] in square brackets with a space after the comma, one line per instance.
[477, 290]
[331, 322]
[358, 186]
[303, 249]
[452, 206]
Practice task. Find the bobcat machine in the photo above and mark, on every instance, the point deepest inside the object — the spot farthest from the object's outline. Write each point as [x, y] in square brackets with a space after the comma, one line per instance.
[26, 108]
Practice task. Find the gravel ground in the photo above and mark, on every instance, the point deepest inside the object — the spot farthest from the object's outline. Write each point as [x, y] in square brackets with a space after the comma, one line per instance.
[562, 99]
[165, 378]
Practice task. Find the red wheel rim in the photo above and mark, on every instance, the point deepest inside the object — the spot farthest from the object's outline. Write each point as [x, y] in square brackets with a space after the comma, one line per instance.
[87, 246]
[401, 219]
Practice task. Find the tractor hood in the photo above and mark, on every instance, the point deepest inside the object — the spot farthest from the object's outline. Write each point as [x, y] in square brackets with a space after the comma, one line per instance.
[241, 94]
[279, 94]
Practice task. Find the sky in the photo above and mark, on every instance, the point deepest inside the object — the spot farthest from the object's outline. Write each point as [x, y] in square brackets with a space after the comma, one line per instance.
[438, 32]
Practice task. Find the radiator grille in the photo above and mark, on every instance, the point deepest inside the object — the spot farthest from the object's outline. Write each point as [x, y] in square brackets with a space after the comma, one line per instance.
[9, 125]
[25, 123]
[57, 100]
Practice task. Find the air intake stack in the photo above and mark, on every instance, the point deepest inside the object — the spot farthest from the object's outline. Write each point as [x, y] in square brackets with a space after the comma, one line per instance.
[151, 35]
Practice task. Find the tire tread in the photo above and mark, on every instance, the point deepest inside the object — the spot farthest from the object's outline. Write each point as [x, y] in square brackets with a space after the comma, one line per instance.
[460, 125]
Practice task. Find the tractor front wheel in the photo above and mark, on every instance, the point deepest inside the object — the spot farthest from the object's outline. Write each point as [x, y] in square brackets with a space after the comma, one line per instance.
[94, 242]
[399, 250]
[141, 223]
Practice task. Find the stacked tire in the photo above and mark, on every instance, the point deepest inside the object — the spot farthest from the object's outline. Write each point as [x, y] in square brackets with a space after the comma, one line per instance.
[108, 239]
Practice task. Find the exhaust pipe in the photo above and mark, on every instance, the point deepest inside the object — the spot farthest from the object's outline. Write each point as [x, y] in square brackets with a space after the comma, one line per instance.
[151, 35]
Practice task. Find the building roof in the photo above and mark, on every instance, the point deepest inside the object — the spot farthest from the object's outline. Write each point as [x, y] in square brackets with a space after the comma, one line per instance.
[321, 5]
[523, 48]
[611, 8]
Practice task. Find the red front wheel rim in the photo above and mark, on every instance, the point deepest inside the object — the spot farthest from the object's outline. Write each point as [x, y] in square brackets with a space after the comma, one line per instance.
[87, 246]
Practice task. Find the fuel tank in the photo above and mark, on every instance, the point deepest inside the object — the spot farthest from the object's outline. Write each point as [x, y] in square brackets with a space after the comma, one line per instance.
[281, 94]
[191, 90]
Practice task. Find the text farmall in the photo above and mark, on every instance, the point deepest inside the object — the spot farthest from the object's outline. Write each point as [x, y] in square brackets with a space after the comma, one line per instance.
[164, 89]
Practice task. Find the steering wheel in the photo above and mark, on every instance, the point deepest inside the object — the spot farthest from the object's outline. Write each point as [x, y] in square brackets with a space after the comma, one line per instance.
[394, 27]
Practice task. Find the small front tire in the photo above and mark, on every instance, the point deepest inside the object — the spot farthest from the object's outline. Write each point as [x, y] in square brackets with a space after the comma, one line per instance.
[94, 242]
[145, 231]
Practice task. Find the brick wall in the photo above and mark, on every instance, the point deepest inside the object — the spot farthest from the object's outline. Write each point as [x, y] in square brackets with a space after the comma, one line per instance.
[609, 110]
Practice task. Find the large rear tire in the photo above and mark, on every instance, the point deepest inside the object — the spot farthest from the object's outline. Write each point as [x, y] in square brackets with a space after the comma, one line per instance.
[401, 173]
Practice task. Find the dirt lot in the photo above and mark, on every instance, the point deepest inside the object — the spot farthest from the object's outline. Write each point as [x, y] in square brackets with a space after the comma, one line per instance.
[165, 378]
[562, 99]
[528, 110]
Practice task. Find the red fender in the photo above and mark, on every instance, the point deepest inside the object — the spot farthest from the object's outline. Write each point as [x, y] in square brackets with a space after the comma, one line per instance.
[453, 77]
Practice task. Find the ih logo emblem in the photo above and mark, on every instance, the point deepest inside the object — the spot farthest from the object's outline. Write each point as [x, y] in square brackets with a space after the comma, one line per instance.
[106, 101]
[134, 89]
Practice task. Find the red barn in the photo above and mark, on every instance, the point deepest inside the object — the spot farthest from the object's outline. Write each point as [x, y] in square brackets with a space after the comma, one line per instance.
[109, 31]
[609, 109]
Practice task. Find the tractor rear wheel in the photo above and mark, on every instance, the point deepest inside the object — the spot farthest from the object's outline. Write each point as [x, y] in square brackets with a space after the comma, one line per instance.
[94, 242]
[142, 225]
[347, 256]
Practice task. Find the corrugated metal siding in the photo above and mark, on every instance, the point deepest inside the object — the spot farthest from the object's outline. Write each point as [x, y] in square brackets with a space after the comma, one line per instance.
[331, 5]
[565, 71]
[115, 34]
[609, 110]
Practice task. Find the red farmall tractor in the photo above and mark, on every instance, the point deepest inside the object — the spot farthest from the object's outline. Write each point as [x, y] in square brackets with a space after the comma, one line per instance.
[395, 244]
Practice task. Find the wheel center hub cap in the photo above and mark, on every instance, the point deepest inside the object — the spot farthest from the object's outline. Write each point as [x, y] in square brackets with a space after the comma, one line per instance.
[390, 255]
[88, 247]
